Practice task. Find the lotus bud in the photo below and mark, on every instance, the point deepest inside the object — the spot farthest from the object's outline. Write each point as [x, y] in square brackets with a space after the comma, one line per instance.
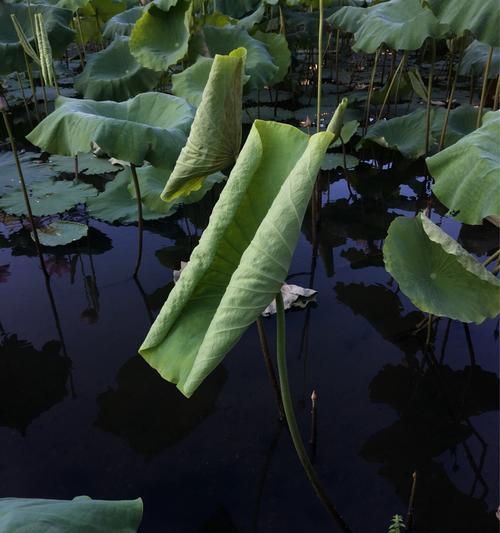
[337, 121]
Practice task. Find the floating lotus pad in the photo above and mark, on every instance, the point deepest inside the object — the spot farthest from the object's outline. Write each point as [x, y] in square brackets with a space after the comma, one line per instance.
[160, 38]
[56, 22]
[33, 170]
[87, 164]
[467, 173]
[437, 274]
[114, 74]
[61, 232]
[151, 127]
[230, 278]
[215, 137]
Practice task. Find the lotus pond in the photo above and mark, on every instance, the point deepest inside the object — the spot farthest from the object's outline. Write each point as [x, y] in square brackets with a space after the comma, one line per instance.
[249, 260]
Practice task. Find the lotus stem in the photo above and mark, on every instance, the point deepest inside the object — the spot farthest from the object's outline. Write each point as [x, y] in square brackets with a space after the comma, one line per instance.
[370, 90]
[140, 223]
[450, 101]
[314, 416]
[26, 107]
[391, 85]
[75, 162]
[264, 347]
[23, 184]
[320, 66]
[292, 421]
[485, 86]
[411, 503]
[282, 20]
[429, 98]
[82, 42]
[492, 258]
[396, 95]
[497, 94]
[32, 85]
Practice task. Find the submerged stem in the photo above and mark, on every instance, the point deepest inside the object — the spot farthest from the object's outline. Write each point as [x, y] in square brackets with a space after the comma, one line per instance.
[140, 223]
[291, 420]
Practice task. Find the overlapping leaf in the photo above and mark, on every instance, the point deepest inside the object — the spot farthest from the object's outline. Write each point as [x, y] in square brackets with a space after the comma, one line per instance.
[232, 276]
[467, 173]
[215, 137]
[151, 127]
[475, 58]
[437, 274]
[123, 23]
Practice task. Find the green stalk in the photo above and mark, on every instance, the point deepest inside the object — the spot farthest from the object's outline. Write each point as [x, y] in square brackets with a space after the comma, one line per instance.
[291, 420]
[370, 90]
[32, 85]
[320, 65]
[24, 98]
[23, 185]
[429, 99]
[337, 47]
[391, 85]
[497, 94]
[140, 223]
[485, 86]
[396, 95]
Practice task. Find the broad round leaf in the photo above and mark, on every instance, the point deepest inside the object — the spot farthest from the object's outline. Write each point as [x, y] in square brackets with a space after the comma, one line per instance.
[243, 256]
[160, 38]
[348, 18]
[277, 46]
[236, 8]
[123, 23]
[437, 274]
[481, 18]
[190, 83]
[31, 166]
[475, 57]
[332, 161]
[56, 21]
[259, 64]
[467, 173]
[61, 232]
[215, 137]
[48, 198]
[151, 127]
[114, 74]
[77, 515]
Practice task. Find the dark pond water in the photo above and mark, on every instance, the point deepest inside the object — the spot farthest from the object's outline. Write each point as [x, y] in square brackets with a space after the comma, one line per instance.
[99, 421]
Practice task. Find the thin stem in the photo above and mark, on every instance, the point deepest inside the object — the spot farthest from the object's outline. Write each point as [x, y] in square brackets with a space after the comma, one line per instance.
[32, 85]
[291, 420]
[492, 258]
[24, 98]
[497, 94]
[320, 66]
[411, 504]
[25, 191]
[140, 223]
[485, 86]
[370, 90]
[337, 46]
[391, 85]
[429, 99]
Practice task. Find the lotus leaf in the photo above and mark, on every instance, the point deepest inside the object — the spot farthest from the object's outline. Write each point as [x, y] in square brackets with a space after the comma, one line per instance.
[160, 38]
[243, 256]
[114, 74]
[33, 170]
[277, 46]
[467, 173]
[102, 10]
[80, 515]
[61, 232]
[87, 164]
[259, 63]
[399, 24]
[56, 21]
[215, 137]
[47, 197]
[254, 18]
[437, 274]
[267, 113]
[475, 57]
[332, 161]
[150, 126]
[123, 23]
[235, 8]
[190, 83]
[481, 18]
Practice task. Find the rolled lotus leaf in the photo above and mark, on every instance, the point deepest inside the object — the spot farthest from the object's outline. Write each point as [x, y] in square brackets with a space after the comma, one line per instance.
[243, 256]
[467, 174]
[475, 58]
[437, 274]
[149, 127]
[160, 38]
[215, 137]
[82, 514]
[56, 22]
[259, 63]
[481, 18]
[123, 23]
[114, 74]
[399, 24]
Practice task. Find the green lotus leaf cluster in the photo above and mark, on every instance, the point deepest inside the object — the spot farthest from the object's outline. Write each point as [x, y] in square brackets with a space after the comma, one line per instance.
[475, 58]
[149, 127]
[80, 515]
[437, 274]
[160, 37]
[481, 18]
[114, 74]
[243, 256]
[56, 22]
[122, 23]
[406, 133]
[215, 137]
[33, 170]
[467, 174]
[399, 24]
[47, 197]
[61, 232]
